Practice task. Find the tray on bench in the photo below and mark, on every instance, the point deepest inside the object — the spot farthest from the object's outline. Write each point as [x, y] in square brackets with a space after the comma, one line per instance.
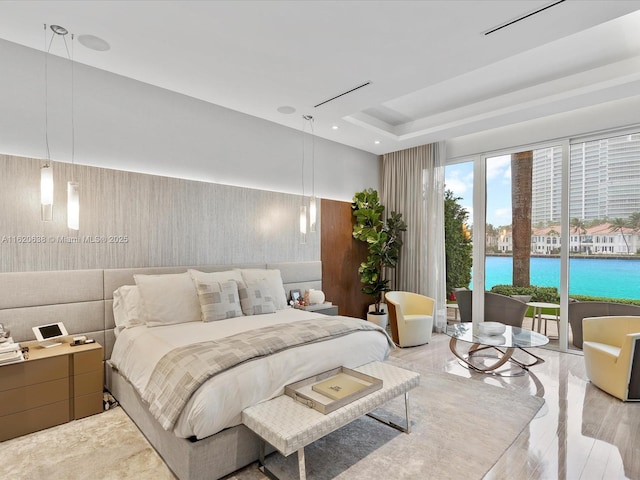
[304, 393]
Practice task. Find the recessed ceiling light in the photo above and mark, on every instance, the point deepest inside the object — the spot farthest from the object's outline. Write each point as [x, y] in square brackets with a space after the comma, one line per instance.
[335, 127]
[94, 43]
[377, 142]
[286, 109]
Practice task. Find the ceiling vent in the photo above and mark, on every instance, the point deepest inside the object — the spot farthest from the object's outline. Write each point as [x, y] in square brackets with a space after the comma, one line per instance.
[511, 22]
[342, 94]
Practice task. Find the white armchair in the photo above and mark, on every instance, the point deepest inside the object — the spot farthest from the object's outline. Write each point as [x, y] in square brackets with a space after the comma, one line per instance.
[612, 354]
[411, 318]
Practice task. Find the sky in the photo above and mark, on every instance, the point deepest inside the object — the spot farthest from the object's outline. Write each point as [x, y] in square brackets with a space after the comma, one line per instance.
[459, 179]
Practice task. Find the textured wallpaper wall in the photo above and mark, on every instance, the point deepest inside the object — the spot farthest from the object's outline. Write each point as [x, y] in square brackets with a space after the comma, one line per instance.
[136, 220]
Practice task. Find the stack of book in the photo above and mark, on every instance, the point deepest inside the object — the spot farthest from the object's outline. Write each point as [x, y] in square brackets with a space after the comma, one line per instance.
[10, 352]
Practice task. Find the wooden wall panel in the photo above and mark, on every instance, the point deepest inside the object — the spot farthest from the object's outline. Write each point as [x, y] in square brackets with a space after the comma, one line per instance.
[341, 256]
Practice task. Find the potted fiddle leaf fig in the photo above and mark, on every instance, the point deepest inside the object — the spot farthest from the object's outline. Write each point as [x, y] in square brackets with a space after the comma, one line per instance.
[383, 237]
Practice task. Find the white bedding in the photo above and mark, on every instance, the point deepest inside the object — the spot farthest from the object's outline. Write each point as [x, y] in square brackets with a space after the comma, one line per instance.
[219, 402]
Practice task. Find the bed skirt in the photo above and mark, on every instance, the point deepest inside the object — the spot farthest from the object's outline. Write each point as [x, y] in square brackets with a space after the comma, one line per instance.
[209, 458]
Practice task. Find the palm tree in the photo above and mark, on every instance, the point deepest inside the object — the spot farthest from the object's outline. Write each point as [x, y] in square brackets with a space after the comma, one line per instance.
[578, 227]
[634, 221]
[618, 225]
[521, 197]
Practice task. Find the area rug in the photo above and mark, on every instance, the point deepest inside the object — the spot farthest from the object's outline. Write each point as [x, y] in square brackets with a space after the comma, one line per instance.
[460, 428]
[107, 446]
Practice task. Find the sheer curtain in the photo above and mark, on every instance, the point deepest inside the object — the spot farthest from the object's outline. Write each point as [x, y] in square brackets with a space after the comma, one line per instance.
[413, 184]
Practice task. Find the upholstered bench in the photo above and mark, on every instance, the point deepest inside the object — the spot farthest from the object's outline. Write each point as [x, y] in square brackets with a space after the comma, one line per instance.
[289, 425]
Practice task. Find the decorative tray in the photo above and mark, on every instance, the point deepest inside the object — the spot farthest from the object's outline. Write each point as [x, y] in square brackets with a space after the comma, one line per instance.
[333, 389]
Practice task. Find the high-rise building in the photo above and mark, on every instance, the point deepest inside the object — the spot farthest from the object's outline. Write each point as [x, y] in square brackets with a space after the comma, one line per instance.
[604, 180]
[546, 185]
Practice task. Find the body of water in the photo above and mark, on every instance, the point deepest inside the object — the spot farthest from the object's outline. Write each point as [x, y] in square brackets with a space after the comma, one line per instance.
[614, 278]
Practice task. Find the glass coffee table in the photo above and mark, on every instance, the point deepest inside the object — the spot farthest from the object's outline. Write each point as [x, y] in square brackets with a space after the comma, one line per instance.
[505, 344]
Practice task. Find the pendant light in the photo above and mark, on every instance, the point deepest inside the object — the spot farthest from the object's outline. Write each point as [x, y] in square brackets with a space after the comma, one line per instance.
[46, 170]
[312, 200]
[46, 192]
[73, 188]
[303, 207]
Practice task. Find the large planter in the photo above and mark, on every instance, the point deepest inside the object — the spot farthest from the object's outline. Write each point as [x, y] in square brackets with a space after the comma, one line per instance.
[380, 319]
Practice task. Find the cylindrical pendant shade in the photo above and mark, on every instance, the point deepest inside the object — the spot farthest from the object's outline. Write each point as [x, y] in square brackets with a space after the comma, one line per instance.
[303, 224]
[73, 205]
[312, 214]
[46, 192]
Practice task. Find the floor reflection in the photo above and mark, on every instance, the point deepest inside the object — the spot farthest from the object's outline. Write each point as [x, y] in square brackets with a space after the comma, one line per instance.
[580, 432]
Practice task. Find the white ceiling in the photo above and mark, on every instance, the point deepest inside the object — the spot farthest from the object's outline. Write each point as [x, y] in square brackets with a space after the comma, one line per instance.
[434, 74]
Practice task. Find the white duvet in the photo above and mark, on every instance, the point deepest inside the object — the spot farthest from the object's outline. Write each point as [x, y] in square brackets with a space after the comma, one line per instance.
[219, 402]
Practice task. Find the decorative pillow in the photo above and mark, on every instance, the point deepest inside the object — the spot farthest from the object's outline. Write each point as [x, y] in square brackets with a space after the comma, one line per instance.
[127, 308]
[168, 299]
[255, 297]
[274, 280]
[218, 300]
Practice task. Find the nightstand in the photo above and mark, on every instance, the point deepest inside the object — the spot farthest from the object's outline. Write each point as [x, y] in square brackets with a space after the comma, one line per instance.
[55, 385]
[323, 308]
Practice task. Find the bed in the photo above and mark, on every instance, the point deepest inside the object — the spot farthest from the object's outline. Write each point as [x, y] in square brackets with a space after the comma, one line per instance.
[203, 436]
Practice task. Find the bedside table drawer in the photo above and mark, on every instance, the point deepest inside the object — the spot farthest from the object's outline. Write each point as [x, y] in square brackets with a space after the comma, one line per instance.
[87, 383]
[33, 396]
[33, 420]
[88, 361]
[36, 371]
[88, 405]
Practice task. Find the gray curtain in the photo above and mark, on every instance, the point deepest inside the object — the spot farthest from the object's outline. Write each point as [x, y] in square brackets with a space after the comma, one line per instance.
[413, 184]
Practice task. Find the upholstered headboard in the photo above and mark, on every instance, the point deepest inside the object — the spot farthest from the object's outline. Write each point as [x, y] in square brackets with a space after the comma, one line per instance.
[83, 299]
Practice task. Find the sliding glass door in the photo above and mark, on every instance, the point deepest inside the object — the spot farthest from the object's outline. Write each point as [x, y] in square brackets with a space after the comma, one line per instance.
[522, 230]
[604, 211]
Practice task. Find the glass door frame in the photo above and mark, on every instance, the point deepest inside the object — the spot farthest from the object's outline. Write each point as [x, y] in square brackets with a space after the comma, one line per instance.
[479, 226]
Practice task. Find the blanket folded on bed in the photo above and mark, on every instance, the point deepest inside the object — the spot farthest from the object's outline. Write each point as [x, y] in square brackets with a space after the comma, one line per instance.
[180, 372]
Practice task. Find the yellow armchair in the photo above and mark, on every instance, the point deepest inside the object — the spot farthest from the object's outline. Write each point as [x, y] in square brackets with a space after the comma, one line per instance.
[612, 354]
[410, 317]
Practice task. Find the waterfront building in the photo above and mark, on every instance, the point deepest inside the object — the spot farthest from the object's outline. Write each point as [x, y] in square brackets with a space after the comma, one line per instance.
[597, 240]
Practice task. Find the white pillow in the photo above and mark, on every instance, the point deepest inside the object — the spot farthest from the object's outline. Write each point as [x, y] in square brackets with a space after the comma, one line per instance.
[255, 297]
[168, 299]
[126, 307]
[274, 280]
[215, 276]
[218, 300]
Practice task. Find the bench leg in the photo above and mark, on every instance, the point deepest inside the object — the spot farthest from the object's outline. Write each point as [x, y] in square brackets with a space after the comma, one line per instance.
[301, 467]
[406, 429]
[263, 468]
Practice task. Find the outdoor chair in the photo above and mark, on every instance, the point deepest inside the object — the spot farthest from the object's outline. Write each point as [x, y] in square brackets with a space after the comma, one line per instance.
[410, 317]
[612, 355]
[497, 308]
[580, 310]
